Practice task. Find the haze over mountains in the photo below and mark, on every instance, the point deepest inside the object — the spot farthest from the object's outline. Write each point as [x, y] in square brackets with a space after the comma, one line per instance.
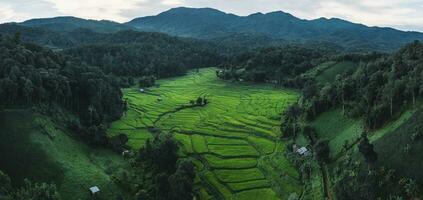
[212, 24]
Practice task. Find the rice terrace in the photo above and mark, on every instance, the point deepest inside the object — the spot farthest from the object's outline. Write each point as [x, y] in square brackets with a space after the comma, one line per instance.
[211, 100]
[233, 140]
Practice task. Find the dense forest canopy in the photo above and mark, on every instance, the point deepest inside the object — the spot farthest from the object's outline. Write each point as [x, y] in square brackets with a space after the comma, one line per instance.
[67, 24]
[279, 65]
[377, 92]
[32, 75]
[131, 53]
[378, 89]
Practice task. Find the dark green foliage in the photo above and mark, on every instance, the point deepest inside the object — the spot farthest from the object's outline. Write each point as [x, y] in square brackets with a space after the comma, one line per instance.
[392, 147]
[20, 157]
[278, 65]
[211, 23]
[377, 90]
[354, 182]
[31, 75]
[199, 101]
[146, 81]
[291, 124]
[321, 151]
[66, 24]
[5, 186]
[118, 142]
[181, 182]
[367, 149]
[173, 178]
[36, 191]
[131, 53]
[161, 153]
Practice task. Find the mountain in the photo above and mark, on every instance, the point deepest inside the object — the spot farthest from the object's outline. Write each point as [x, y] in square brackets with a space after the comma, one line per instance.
[66, 24]
[52, 39]
[207, 23]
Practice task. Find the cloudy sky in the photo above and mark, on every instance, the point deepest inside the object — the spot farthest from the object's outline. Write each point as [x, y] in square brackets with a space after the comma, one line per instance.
[401, 14]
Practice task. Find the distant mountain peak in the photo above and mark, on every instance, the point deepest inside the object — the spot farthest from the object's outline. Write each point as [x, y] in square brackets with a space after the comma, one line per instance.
[280, 13]
[185, 10]
[70, 23]
[209, 23]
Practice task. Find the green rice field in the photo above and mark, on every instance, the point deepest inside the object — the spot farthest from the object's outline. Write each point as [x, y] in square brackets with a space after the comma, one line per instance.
[233, 140]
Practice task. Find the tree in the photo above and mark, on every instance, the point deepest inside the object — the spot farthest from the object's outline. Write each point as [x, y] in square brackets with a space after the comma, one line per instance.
[290, 123]
[321, 150]
[5, 187]
[37, 191]
[367, 149]
[182, 181]
[146, 81]
[199, 101]
[118, 142]
[161, 153]
[410, 187]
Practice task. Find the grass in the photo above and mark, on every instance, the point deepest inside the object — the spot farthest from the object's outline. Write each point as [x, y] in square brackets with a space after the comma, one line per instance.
[38, 149]
[185, 141]
[391, 147]
[199, 144]
[389, 142]
[337, 128]
[230, 151]
[262, 194]
[249, 185]
[227, 137]
[330, 70]
[236, 176]
[233, 163]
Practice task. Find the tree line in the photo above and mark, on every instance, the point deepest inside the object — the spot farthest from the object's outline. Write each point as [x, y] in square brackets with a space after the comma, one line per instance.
[278, 65]
[157, 172]
[377, 91]
[29, 190]
[31, 75]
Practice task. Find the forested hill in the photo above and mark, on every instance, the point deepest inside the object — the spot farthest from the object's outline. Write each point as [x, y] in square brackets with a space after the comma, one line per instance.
[66, 24]
[49, 38]
[125, 53]
[130, 53]
[210, 23]
[32, 76]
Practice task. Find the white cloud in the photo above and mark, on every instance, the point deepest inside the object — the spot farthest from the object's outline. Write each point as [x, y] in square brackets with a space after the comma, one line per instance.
[172, 2]
[397, 13]
[6, 12]
[94, 9]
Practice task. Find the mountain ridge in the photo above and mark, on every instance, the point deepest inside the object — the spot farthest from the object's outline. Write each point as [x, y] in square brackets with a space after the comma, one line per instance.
[70, 23]
[212, 24]
[208, 23]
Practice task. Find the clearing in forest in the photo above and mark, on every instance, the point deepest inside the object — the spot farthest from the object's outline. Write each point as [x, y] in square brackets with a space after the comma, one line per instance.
[233, 140]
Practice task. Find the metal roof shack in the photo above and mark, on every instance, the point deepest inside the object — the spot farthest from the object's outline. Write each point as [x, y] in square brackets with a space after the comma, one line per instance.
[302, 151]
[94, 190]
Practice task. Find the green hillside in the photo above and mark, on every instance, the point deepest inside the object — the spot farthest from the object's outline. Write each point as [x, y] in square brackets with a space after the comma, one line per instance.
[327, 71]
[401, 144]
[234, 139]
[337, 128]
[38, 149]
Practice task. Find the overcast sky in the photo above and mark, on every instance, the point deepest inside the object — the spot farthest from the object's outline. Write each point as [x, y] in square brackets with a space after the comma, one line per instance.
[401, 14]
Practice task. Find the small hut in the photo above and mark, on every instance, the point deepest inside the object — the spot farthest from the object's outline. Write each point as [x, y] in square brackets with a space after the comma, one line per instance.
[94, 190]
[303, 151]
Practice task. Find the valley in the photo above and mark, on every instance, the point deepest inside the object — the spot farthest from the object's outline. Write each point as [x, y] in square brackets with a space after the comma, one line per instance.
[233, 140]
[201, 104]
